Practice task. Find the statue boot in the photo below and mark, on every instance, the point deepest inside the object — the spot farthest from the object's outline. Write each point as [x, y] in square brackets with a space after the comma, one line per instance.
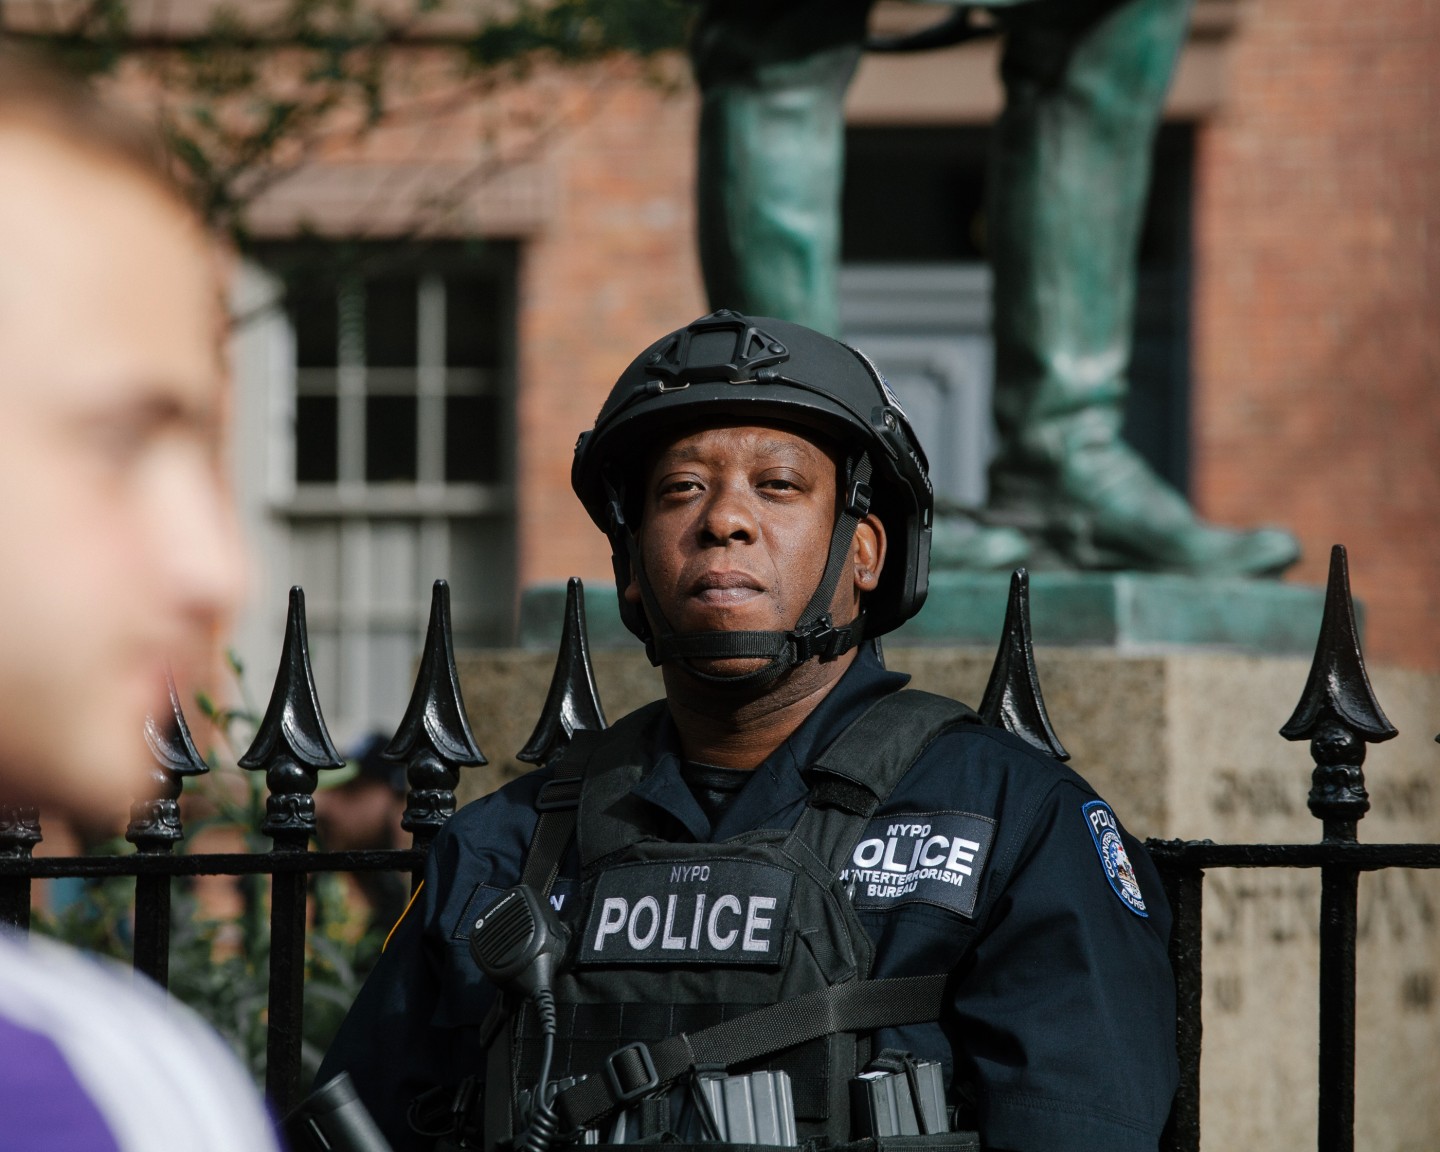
[1085, 86]
[1085, 82]
[772, 79]
[771, 156]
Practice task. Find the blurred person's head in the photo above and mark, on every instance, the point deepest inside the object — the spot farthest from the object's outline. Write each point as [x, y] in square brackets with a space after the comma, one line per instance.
[118, 552]
[363, 810]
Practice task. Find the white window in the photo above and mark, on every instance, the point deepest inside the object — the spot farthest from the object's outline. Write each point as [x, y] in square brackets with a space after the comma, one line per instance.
[396, 375]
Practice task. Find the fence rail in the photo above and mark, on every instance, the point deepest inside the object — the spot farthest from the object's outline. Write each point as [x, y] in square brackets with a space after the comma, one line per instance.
[1337, 713]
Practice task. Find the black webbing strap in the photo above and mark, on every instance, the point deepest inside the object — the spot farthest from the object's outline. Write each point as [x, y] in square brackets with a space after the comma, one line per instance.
[823, 639]
[557, 802]
[611, 819]
[878, 749]
[499, 1092]
[862, 766]
[637, 1070]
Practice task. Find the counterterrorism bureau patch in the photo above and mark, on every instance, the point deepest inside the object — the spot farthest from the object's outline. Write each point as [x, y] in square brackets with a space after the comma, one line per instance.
[717, 911]
[920, 858]
[1105, 831]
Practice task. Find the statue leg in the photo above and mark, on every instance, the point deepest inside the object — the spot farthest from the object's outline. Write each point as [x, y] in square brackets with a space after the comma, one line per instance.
[772, 77]
[1085, 85]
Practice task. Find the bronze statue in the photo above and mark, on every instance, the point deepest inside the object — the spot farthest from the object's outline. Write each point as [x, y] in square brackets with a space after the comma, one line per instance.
[1085, 82]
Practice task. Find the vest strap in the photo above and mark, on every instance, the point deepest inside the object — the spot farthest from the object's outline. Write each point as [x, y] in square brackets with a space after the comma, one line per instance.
[557, 804]
[610, 818]
[878, 749]
[862, 766]
[862, 1006]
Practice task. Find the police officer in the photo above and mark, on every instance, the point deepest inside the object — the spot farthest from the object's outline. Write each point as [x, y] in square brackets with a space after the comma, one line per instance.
[789, 863]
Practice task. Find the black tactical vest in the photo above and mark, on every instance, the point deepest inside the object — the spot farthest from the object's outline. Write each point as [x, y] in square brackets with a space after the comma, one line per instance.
[744, 953]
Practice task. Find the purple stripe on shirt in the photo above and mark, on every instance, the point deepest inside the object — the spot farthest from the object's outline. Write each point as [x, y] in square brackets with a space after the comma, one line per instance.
[43, 1108]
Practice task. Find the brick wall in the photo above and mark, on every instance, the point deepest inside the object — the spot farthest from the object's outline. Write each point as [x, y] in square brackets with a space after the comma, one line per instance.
[614, 269]
[1317, 302]
[1317, 282]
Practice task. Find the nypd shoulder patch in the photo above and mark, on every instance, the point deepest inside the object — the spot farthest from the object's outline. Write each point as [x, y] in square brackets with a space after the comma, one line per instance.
[920, 858]
[1105, 831]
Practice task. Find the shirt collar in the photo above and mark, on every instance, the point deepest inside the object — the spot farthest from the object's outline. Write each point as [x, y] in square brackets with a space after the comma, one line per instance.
[772, 795]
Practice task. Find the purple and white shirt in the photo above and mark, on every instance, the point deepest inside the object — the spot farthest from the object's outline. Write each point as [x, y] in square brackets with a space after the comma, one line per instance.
[95, 1060]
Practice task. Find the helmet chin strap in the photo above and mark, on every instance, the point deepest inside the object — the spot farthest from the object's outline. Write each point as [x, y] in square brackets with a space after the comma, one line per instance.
[814, 634]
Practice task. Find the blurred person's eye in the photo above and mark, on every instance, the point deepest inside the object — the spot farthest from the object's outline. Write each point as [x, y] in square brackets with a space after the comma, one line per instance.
[122, 437]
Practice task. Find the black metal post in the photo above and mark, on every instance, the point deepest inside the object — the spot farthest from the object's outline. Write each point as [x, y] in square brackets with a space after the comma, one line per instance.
[1183, 889]
[19, 833]
[1339, 715]
[1338, 888]
[291, 746]
[434, 740]
[154, 830]
[152, 926]
[287, 976]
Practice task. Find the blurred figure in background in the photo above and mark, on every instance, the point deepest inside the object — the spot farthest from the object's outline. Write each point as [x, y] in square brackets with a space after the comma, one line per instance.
[119, 557]
[362, 810]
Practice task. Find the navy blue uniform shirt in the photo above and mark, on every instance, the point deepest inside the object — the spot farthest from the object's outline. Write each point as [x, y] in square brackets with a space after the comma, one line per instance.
[988, 860]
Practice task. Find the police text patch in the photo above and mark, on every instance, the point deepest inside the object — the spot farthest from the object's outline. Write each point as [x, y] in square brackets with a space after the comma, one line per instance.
[920, 858]
[1105, 831]
[717, 911]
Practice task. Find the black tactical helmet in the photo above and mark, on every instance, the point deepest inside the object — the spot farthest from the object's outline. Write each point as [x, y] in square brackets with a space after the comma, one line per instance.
[744, 369]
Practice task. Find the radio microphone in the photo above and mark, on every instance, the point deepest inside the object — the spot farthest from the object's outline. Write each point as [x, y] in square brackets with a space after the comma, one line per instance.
[518, 942]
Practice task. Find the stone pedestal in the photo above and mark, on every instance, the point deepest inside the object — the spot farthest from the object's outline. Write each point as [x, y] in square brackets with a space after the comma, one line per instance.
[1184, 744]
[1124, 611]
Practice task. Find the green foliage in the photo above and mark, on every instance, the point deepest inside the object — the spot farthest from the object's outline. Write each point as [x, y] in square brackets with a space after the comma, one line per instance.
[220, 966]
[579, 30]
[249, 98]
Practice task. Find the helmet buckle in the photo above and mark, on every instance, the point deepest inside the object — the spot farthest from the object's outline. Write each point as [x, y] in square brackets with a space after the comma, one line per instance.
[821, 639]
[616, 515]
[857, 500]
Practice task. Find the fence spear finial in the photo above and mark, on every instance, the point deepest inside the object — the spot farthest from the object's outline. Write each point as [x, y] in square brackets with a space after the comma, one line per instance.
[1338, 712]
[155, 819]
[1012, 697]
[1338, 681]
[292, 744]
[573, 703]
[434, 739]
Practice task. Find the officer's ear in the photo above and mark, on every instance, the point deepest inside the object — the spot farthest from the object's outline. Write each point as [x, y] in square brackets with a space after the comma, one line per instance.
[867, 553]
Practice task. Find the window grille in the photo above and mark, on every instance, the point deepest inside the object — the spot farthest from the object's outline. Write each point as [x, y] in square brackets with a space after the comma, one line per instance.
[403, 461]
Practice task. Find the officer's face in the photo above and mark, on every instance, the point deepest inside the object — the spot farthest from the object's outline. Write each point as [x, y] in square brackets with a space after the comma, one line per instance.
[735, 530]
[119, 549]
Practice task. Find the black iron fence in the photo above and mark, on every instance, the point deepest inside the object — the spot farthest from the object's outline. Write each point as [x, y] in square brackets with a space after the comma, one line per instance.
[1337, 713]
